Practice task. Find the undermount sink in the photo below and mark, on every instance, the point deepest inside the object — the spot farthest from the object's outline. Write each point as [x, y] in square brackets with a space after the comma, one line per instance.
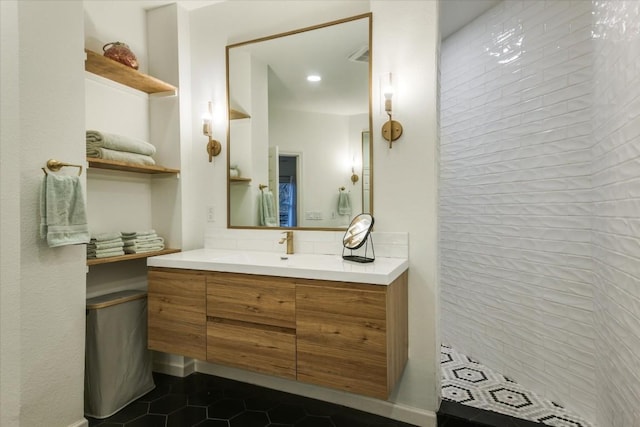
[305, 266]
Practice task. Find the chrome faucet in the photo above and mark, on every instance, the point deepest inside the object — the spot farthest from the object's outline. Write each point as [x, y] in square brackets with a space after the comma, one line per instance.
[288, 237]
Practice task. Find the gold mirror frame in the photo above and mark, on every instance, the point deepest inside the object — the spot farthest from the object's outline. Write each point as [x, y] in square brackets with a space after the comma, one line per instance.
[234, 115]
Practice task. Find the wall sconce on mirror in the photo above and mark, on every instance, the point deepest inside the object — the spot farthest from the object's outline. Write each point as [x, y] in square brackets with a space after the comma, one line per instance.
[213, 147]
[392, 129]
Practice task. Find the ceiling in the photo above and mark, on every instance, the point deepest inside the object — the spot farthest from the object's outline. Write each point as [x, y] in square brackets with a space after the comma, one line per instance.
[455, 14]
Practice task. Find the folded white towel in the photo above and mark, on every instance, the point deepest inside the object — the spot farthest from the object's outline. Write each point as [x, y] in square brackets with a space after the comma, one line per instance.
[63, 212]
[146, 242]
[121, 156]
[105, 253]
[129, 234]
[109, 254]
[145, 238]
[97, 139]
[104, 245]
[104, 237]
[131, 250]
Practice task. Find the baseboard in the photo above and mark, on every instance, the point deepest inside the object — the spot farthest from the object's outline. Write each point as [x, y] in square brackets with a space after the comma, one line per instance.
[416, 416]
[174, 369]
[80, 423]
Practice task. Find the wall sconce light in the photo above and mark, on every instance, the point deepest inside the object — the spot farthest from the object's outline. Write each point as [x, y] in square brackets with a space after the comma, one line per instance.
[391, 130]
[213, 147]
[355, 166]
[354, 175]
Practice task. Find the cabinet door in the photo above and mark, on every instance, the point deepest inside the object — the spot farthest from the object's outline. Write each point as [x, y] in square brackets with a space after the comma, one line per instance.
[269, 350]
[177, 313]
[341, 338]
[249, 298]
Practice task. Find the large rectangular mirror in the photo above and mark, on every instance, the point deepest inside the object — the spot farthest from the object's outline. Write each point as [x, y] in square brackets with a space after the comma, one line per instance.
[298, 146]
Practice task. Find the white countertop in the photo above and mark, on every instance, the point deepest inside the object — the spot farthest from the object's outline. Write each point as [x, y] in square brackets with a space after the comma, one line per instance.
[383, 271]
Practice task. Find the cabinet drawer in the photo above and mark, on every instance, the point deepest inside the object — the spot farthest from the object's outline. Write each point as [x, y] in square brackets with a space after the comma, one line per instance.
[250, 298]
[342, 338]
[268, 350]
[176, 313]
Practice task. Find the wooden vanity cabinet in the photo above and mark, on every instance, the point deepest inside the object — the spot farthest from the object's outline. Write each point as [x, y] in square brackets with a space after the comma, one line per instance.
[350, 336]
[251, 323]
[177, 312]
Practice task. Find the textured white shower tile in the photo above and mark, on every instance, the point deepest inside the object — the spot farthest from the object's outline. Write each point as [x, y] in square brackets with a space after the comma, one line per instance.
[534, 189]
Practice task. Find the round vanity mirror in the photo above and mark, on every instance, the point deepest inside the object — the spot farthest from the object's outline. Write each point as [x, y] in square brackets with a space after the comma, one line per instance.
[357, 235]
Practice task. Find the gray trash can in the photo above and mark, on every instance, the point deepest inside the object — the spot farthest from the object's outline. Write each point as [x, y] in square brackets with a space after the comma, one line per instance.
[117, 362]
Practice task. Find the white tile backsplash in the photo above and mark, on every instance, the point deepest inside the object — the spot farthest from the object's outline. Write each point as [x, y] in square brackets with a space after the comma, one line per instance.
[386, 244]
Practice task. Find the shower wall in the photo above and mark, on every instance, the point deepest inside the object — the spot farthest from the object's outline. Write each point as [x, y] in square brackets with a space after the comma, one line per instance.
[515, 196]
[616, 214]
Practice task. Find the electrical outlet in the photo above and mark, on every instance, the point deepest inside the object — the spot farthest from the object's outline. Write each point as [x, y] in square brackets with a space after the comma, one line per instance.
[211, 214]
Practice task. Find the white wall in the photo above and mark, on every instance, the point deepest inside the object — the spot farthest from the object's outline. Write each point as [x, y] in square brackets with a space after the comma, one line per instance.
[43, 289]
[10, 244]
[405, 39]
[616, 214]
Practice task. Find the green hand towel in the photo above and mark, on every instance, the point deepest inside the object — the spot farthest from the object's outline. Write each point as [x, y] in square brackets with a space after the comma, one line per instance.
[63, 212]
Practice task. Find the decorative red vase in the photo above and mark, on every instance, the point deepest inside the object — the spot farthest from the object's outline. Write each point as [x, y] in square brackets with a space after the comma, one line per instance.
[120, 52]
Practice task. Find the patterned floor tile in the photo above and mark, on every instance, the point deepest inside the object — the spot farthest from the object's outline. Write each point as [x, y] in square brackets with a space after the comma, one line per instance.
[470, 383]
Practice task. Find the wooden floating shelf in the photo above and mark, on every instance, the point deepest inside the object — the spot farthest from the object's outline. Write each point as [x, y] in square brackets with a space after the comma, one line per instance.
[128, 167]
[237, 115]
[127, 257]
[239, 179]
[113, 70]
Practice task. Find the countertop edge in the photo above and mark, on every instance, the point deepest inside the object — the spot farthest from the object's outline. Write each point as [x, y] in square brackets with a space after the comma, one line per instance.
[182, 261]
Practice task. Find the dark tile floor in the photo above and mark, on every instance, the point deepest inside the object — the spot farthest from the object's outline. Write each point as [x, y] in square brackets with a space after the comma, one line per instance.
[209, 401]
[452, 414]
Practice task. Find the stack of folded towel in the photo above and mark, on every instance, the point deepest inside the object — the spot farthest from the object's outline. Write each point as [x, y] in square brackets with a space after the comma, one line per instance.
[105, 245]
[136, 242]
[126, 149]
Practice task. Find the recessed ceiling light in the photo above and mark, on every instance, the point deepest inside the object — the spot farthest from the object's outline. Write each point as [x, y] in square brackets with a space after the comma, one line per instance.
[314, 78]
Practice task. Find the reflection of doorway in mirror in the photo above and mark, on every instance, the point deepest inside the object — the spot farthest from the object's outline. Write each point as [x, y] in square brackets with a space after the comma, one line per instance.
[288, 189]
[366, 173]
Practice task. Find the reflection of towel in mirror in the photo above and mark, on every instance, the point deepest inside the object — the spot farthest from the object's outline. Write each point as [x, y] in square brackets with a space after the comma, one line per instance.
[267, 209]
[63, 215]
[344, 203]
